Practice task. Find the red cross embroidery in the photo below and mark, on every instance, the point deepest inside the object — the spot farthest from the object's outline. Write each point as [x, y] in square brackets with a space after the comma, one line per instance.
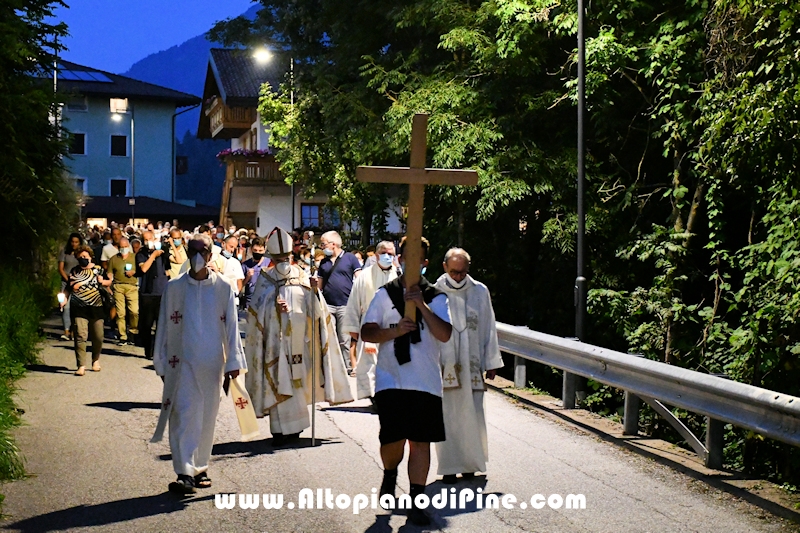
[241, 403]
[167, 403]
[223, 318]
[176, 317]
[174, 361]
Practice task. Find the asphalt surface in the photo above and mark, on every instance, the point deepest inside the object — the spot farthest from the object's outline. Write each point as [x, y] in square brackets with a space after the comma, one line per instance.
[85, 441]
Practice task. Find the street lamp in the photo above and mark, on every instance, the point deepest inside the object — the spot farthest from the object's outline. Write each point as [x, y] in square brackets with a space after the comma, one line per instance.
[263, 56]
[120, 106]
[571, 381]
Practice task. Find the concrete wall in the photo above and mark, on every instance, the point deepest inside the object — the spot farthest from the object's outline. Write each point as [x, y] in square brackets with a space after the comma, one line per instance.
[152, 148]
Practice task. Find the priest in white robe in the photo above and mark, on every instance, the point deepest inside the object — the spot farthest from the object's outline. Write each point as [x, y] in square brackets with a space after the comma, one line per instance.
[365, 286]
[197, 342]
[471, 351]
[280, 351]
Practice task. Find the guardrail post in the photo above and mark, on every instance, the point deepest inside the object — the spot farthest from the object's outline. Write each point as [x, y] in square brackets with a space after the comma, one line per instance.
[569, 386]
[631, 415]
[715, 438]
[568, 390]
[520, 372]
[630, 420]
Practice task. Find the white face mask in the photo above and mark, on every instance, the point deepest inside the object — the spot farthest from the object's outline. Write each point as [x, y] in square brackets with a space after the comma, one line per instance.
[125, 251]
[453, 283]
[198, 263]
[386, 260]
[283, 268]
[151, 245]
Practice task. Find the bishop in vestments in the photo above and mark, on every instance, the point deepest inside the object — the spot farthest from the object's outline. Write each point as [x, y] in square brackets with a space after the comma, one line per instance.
[283, 342]
[197, 341]
[471, 351]
[365, 286]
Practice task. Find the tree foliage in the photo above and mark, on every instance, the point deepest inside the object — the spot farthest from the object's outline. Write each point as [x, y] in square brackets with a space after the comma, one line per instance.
[692, 161]
[36, 202]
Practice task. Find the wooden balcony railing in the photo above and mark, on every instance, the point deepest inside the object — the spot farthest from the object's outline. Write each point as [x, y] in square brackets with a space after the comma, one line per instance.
[256, 170]
[229, 122]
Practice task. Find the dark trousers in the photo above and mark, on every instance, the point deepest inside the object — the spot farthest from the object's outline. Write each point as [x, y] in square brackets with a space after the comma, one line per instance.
[148, 316]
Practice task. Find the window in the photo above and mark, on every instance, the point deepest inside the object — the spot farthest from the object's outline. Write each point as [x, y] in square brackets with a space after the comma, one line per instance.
[80, 185]
[309, 215]
[119, 145]
[319, 216]
[119, 187]
[119, 105]
[77, 103]
[77, 143]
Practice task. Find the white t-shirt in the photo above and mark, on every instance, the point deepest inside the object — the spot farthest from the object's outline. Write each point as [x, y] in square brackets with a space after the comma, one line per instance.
[423, 372]
[232, 272]
[109, 251]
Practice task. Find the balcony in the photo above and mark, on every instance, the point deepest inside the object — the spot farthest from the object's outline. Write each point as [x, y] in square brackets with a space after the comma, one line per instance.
[253, 170]
[229, 122]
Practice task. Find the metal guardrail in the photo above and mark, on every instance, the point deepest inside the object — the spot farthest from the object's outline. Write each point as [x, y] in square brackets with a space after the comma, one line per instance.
[768, 413]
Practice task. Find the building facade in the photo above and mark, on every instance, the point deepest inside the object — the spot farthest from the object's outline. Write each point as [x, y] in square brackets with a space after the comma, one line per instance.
[255, 194]
[121, 140]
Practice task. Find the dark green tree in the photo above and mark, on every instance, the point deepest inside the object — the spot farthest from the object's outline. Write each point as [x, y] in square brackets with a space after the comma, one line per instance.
[37, 205]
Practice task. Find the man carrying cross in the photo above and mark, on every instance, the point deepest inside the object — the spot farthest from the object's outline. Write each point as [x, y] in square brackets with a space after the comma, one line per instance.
[408, 380]
[191, 353]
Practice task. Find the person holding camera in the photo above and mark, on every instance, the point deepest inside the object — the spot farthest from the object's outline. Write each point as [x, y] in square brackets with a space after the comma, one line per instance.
[152, 264]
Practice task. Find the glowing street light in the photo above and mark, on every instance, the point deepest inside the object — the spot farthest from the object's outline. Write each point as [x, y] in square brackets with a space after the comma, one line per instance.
[262, 55]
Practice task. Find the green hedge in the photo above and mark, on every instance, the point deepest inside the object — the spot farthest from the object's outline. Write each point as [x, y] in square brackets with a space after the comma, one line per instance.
[23, 303]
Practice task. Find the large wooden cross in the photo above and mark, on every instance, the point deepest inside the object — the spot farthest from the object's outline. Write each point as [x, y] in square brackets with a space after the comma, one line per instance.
[416, 176]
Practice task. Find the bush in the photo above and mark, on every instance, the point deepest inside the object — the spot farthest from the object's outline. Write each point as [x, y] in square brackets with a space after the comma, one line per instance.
[22, 306]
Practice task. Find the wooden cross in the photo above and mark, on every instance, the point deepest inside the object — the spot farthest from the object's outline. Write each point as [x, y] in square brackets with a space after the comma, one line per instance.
[416, 176]
[176, 317]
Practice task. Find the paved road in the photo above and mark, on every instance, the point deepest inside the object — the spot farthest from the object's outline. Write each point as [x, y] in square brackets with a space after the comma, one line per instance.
[93, 469]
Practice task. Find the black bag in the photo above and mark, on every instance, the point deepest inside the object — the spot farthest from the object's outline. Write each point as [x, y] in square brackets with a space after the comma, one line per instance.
[108, 300]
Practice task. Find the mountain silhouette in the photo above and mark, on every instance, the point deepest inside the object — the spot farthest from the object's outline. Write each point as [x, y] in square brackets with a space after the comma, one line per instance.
[183, 68]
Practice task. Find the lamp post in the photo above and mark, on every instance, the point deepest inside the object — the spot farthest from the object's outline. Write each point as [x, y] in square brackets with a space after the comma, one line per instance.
[262, 56]
[116, 116]
[571, 381]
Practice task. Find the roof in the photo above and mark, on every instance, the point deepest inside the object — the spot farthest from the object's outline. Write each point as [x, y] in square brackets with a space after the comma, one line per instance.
[239, 76]
[145, 206]
[92, 82]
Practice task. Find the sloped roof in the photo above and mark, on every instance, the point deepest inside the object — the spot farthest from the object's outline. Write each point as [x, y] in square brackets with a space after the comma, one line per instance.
[101, 83]
[239, 76]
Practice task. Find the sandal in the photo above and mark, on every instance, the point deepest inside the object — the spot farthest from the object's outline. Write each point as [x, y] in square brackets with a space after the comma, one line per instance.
[183, 486]
[81, 371]
[202, 481]
[96, 366]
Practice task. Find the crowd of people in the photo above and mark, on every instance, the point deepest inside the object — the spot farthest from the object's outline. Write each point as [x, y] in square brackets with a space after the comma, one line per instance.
[315, 314]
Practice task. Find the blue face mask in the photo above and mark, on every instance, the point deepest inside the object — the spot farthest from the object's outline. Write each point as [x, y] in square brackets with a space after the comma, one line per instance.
[422, 268]
[177, 241]
[227, 254]
[385, 260]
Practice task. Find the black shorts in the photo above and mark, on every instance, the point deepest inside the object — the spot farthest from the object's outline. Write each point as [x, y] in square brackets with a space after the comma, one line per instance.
[409, 414]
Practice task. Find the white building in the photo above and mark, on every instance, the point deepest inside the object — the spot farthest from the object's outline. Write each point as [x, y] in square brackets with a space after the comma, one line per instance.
[255, 194]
